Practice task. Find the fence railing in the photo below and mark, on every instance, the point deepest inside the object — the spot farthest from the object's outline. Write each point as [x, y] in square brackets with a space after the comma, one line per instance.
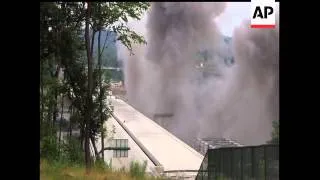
[202, 145]
[243, 163]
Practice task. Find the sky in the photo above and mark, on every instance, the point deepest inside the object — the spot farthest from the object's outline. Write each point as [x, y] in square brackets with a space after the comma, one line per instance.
[233, 15]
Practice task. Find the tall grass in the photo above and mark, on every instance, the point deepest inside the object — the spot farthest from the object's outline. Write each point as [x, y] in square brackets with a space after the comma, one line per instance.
[137, 170]
[56, 171]
[66, 161]
[59, 170]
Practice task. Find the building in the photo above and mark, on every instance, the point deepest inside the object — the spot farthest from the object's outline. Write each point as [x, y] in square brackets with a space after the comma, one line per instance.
[147, 141]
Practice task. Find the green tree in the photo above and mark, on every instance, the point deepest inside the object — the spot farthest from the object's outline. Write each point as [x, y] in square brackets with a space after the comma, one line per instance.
[109, 16]
[66, 45]
[275, 133]
[58, 26]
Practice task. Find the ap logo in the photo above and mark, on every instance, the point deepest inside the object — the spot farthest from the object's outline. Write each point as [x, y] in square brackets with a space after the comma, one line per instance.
[263, 14]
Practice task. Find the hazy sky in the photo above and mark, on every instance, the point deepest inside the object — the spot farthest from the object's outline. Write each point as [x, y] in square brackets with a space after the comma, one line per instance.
[233, 15]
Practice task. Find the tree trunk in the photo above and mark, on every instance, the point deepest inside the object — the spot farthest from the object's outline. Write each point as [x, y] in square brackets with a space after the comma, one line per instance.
[82, 137]
[61, 116]
[88, 113]
[41, 93]
[58, 60]
[92, 43]
[96, 152]
[87, 149]
[49, 118]
[100, 92]
[54, 113]
[70, 123]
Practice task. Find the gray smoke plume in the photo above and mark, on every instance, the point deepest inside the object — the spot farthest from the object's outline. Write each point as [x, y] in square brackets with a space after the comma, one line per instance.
[206, 97]
[254, 102]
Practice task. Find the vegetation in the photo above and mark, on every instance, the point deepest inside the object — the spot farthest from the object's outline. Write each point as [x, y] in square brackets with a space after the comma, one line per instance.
[109, 55]
[59, 170]
[116, 75]
[67, 162]
[70, 70]
[275, 133]
[137, 170]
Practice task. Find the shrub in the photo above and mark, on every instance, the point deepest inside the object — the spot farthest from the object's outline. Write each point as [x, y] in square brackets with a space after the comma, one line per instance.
[69, 152]
[137, 170]
[73, 151]
[101, 165]
[49, 148]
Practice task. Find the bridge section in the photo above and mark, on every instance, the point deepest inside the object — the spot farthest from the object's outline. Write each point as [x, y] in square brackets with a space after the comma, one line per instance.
[169, 151]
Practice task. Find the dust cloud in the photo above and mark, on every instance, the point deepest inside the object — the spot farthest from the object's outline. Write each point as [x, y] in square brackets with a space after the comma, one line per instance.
[182, 71]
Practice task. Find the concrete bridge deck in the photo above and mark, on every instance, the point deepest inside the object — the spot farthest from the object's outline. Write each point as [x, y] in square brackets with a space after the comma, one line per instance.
[172, 153]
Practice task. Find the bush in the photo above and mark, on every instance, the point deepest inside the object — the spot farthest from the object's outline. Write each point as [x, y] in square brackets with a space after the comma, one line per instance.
[101, 165]
[275, 133]
[64, 153]
[73, 151]
[137, 170]
[49, 148]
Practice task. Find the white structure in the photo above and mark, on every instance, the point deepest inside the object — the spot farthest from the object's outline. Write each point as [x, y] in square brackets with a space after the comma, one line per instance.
[148, 142]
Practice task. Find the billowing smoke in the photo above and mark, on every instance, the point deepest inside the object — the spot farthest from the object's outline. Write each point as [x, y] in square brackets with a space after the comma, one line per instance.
[253, 99]
[182, 71]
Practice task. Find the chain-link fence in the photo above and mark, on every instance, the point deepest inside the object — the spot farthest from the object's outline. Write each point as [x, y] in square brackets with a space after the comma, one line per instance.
[243, 163]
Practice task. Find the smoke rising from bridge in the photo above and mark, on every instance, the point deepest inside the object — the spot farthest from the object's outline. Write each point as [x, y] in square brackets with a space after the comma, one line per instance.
[238, 102]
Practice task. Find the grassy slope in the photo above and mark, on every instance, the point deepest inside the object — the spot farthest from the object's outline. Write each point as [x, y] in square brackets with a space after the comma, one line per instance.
[63, 172]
